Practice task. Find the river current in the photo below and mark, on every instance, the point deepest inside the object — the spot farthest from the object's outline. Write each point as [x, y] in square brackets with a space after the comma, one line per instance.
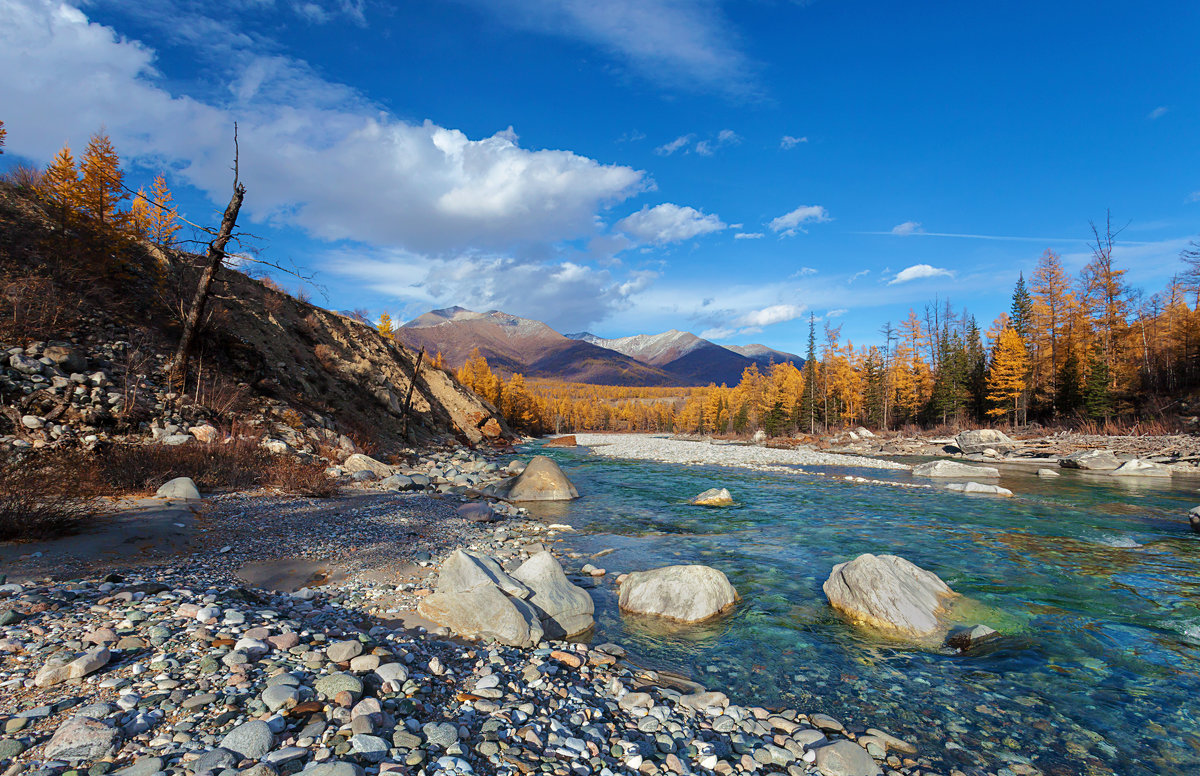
[1094, 582]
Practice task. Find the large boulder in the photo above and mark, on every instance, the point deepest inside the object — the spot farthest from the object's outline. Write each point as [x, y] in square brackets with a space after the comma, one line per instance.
[359, 463]
[562, 441]
[680, 593]
[845, 758]
[980, 489]
[475, 598]
[953, 469]
[984, 439]
[564, 609]
[542, 480]
[1139, 468]
[83, 739]
[889, 593]
[714, 497]
[180, 488]
[1091, 460]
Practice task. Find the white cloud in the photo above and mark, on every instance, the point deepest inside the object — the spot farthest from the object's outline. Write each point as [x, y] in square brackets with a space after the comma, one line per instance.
[862, 273]
[748, 236]
[908, 227]
[788, 141]
[778, 313]
[789, 224]
[686, 44]
[804, 271]
[919, 271]
[668, 223]
[1158, 112]
[313, 154]
[719, 333]
[666, 149]
[836, 313]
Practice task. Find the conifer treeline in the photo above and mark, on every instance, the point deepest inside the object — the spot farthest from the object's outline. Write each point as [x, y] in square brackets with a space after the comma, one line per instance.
[1070, 348]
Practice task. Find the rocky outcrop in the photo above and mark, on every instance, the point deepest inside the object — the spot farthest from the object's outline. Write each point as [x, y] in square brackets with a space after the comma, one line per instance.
[1091, 460]
[980, 489]
[1139, 468]
[562, 441]
[714, 497]
[476, 598]
[888, 593]
[680, 593]
[984, 439]
[541, 480]
[564, 609]
[951, 469]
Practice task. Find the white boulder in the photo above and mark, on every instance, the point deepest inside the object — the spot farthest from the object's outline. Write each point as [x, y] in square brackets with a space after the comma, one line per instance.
[889, 593]
[952, 469]
[681, 593]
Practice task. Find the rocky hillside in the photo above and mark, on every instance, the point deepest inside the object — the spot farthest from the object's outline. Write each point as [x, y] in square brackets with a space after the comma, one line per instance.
[88, 323]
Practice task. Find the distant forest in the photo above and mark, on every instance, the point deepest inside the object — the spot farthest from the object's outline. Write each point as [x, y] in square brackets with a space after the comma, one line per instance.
[1084, 350]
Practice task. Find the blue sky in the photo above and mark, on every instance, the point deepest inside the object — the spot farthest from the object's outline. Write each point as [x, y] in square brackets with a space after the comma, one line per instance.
[630, 166]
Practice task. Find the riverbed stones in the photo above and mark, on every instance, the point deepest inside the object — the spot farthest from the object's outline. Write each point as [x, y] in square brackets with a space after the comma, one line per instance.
[1091, 460]
[951, 469]
[845, 758]
[60, 671]
[688, 594]
[714, 497]
[179, 489]
[984, 439]
[541, 480]
[890, 594]
[1139, 468]
[251, 740]
[564, 609]
[980, 489]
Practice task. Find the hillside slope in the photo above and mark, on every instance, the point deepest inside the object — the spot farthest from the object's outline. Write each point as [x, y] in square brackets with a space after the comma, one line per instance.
[106, 309]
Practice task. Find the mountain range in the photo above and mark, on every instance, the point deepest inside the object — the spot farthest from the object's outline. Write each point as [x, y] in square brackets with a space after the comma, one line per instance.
[514, 344]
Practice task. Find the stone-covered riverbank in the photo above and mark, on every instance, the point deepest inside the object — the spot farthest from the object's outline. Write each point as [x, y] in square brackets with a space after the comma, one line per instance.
[171, 664]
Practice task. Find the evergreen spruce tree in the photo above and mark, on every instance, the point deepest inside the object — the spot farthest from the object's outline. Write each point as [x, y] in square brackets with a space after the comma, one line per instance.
[808, 404]
[1069, 397]
[1097, 399]
[1020, 317]
[874, 387]
[976, 365]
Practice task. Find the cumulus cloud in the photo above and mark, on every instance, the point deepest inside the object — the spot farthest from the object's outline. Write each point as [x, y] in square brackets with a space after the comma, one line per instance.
[778, 313]
[748, 236]
[908, 227]
[313, 154]
[919, 271]
[668, 223]
[1158, 112]
[685, 44]
[789, 224]
[789, 141]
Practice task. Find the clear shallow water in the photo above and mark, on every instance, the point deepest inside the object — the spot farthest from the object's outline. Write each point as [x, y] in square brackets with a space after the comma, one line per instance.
[1097, 582]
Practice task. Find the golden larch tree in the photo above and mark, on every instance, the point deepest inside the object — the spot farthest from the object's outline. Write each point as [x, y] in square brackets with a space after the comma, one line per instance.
[102, 182]
[3, 136]
[386, 330]
[164, 219]
[60, 183]
[1006, 378]
[139, 214]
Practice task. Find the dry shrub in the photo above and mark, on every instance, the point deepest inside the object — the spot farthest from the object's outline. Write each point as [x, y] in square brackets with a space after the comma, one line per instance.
[220, 395]
[294, 475]
[31, 307]
[327, 357]
[45, 494]
[23, 176]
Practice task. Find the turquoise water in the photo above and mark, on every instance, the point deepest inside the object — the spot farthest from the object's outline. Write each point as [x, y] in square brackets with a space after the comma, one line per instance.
[1096, 583]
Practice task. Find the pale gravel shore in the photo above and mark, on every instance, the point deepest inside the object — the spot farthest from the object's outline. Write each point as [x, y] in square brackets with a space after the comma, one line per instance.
[649, 447]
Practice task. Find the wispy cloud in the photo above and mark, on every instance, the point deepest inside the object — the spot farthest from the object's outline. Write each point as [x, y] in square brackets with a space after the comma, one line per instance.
[789, 224]
[666, 149]
[838, 313]
[748, 236]
[918, 230]
[1158, 112]
[908, 227]
[1194, 196]
[862, 273]
[803, 271]
[706, 147]
[788, 141]
[632, 136]
[918, 272]
[681, 44]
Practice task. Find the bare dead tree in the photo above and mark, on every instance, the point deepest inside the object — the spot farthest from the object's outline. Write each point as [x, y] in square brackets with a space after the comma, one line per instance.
[412, 384]
[214, 259]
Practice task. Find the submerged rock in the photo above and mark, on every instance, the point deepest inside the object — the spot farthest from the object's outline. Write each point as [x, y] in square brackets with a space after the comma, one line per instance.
[714, 497]
[953, 469]
[542, 480]
[984, 439]
[889, 593]
[680, 593]
[1048, 473]
[1194, 519]
[968, 637]
[1092, 460]
[1139, 468]
[980, 489]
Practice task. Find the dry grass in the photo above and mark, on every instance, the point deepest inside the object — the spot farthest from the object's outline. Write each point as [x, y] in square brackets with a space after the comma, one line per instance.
[45, 494]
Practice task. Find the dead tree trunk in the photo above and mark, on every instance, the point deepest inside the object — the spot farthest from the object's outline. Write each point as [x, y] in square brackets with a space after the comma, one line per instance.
[212, 262]
[412, 384]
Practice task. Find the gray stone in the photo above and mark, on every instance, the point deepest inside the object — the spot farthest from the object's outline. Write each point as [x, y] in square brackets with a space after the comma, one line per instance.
[279, 696]
[26, 365]
[980, 489]
[1140, 468]
[176, 439]
[845, 758]
[464, 571]
[984, 439]
[441, 734]
[714, 497]
[331, 684]
[681, 593]
[32, 422]
[251, 740]
[396, 482]
[484, 612]
[967, 637]
[333, 768]
[214, 760]
[180, 488]
[477, 512]
[392, 672]
[889, 593]
[359, 462]
[370, 748]
[542, 480]
[564, 609]
[81, 738]
[344, 651]
[1091, 460]
[954, 469]
[142, 766]
[1047, 473]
